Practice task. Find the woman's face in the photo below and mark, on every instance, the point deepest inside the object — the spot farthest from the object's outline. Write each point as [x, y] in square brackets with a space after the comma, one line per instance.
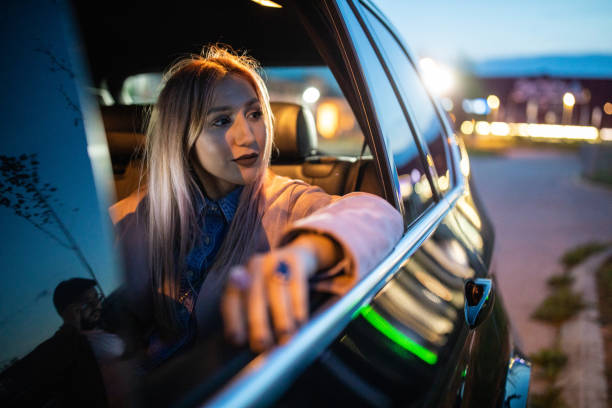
[230, 148]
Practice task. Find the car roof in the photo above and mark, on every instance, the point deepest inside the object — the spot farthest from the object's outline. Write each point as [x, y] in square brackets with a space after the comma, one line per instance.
[125, 38]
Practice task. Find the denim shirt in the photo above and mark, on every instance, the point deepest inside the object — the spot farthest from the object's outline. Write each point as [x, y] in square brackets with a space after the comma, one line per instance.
[214, 218]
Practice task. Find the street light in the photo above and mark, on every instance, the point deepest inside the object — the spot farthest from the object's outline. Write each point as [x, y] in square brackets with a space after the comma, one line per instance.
[568, 105]
[438, 79]
[493, 102]
[311, 94]
[569, 100]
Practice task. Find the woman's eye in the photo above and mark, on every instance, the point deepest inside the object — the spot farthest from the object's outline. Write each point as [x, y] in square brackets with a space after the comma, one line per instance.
[221, 121]
[256, 114]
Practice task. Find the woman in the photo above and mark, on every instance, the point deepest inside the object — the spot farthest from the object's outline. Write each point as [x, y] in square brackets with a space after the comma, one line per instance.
[215, 222]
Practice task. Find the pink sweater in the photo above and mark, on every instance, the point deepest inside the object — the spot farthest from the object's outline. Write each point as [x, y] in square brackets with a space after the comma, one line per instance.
[365, 226]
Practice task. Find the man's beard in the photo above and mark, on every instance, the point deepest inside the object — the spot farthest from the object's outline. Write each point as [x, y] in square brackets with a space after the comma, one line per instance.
[89, 324]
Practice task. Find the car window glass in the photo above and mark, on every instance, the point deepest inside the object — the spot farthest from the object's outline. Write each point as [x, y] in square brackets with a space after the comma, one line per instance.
[53, 227]
[415, 96]
[414, 186]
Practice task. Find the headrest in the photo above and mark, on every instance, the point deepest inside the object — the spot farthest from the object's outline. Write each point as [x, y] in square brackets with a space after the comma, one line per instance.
[124, 126]
[295, 133]
[124, 118]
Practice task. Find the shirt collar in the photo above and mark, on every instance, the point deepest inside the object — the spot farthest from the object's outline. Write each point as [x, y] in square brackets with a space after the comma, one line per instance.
[228, 204]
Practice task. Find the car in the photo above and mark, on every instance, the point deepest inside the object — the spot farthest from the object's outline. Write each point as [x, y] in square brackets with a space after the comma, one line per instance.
[426, 327]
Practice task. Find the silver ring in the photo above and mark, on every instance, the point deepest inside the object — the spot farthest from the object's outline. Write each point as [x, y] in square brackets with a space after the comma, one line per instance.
[240, 278]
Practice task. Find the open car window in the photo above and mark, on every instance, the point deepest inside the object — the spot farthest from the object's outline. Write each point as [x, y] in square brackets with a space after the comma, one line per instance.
[313, 87]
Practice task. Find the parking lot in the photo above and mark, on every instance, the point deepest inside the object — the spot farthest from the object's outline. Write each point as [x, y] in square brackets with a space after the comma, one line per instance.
[540, 208]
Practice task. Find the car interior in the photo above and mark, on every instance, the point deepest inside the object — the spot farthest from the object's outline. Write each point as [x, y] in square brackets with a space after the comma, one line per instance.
[295, 153]
[278, 40]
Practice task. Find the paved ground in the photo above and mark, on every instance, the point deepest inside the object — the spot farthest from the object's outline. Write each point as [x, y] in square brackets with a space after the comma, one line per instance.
[540, 208]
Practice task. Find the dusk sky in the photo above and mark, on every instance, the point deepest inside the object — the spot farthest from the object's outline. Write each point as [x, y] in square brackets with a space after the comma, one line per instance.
[479, 29]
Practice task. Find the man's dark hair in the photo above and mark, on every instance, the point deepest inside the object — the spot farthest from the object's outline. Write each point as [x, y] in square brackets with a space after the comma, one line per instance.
[68, 291]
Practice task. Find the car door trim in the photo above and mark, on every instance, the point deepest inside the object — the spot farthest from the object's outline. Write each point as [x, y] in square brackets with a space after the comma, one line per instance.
[284, 363]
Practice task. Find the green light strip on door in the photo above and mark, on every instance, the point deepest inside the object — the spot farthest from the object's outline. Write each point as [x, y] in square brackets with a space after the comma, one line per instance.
[386, 328]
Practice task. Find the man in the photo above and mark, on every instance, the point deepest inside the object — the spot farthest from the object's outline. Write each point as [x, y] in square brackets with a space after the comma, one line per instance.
[63, 370]
[78, 303]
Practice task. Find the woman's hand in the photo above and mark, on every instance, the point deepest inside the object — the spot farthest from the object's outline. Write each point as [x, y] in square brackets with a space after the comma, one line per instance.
[270, 294]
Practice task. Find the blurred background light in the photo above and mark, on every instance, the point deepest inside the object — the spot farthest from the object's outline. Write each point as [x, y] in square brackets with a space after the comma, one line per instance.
[568, 99]
[438, 79]
[311, 94]
[328, 116]
[605, 134]
[608, 108]
[467, 127]
[267, 3]
[476, 106]
[493, 101]
[447, 104]
[483, 128]
[500, 129]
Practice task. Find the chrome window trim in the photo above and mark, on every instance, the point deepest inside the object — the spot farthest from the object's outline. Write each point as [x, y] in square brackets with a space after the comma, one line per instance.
[375, 129]
[408, 115]
[447, 128]
[282, 364]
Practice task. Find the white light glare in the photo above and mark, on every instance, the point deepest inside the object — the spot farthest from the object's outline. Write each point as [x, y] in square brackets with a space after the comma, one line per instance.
[311, 95]
[568, 99]
[267, 3]
[438, 79]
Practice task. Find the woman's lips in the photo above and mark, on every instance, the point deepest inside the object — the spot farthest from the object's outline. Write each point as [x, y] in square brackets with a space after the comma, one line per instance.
[247, 160]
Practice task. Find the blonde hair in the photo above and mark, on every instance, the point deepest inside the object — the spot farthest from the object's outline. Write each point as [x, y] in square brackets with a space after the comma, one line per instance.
[176, 121]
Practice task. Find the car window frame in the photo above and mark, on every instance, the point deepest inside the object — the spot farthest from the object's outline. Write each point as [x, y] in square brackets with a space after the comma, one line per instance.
[356, 92]
[406, 113]
[445, 127]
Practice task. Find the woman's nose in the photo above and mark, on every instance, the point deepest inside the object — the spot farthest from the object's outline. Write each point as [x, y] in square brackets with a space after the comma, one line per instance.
[242, 134]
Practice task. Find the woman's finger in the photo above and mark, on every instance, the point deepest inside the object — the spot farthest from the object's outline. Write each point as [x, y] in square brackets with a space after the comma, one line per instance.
[232, 305]
[298, 290]
[278, 277]
[260, 335]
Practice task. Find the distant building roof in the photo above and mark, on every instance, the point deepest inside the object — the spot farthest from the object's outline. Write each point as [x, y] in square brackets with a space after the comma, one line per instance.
[584, 66]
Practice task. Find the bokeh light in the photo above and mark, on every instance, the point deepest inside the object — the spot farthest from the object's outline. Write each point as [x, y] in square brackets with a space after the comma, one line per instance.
[493, 101]
[328, 116]
[467, 127]
[267, 3]
[438, 79]
[311, 95]
[568, 99]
